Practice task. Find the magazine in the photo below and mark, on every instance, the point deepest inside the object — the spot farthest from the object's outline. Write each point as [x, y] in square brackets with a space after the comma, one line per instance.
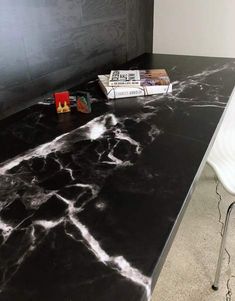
[150, 77]
[131, 91]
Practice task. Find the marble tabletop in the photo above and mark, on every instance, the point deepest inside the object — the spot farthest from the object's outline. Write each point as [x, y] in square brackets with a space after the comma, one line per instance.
[90, 203]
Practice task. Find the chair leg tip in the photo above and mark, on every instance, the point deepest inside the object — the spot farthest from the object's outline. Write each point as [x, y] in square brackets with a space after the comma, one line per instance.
[215, 288]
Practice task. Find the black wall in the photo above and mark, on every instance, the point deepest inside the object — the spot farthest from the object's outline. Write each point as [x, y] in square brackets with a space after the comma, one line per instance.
[48, 44]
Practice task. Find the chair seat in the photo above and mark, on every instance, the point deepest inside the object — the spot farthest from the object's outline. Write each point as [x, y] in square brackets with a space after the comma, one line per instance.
[222, 155]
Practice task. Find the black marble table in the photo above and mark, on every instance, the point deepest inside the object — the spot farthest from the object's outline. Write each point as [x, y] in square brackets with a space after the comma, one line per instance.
[90, 204]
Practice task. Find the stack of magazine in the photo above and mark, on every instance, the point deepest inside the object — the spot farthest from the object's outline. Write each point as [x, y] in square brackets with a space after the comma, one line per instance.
[131, 83]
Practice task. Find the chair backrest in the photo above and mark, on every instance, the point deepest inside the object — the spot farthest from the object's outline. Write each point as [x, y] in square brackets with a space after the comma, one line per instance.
[222, 155]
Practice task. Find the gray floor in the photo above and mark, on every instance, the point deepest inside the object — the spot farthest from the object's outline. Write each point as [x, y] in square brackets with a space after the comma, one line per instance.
[190, 266]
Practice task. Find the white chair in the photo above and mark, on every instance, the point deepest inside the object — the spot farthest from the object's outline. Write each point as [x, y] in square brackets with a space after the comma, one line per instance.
[222, 160]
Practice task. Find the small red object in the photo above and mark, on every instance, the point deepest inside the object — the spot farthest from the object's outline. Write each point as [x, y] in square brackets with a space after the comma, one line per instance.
[62, 102]
[83, 105]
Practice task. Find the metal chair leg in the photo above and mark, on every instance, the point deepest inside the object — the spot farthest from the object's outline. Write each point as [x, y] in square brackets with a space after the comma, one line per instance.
[215, 286]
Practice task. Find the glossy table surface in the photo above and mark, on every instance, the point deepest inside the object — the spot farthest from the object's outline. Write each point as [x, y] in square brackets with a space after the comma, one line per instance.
[90, 203]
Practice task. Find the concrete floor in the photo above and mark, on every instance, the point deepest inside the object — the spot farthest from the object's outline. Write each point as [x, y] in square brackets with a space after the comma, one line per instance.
[190, 266]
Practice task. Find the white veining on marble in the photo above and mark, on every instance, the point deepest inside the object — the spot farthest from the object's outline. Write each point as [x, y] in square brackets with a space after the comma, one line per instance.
[17, 174]
[6, 230]
[88, 131]
[48, 224]
[122, 136]
[33, 187]
[119, 263]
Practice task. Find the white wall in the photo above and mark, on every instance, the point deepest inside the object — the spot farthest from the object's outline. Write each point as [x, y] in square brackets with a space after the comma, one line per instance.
[195, 27]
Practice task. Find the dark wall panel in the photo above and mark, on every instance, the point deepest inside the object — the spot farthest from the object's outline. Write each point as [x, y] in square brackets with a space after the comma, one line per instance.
[49, 44]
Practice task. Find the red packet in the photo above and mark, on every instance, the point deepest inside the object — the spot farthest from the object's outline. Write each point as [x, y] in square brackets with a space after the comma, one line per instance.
[62, 102]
